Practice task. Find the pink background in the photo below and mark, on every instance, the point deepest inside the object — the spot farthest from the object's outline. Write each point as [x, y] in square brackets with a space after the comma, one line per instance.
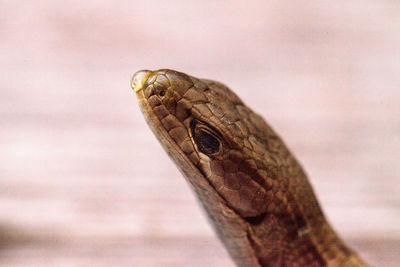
[83, 182]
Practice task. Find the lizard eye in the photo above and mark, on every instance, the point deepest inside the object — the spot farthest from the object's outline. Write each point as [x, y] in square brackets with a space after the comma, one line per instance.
[205, 138]
[206, 143]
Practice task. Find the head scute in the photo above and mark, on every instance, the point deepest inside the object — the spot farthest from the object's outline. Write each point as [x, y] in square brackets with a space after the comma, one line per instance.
[139, 79]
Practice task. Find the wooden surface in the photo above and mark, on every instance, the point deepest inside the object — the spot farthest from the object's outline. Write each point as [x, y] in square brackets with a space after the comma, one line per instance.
[84, 183]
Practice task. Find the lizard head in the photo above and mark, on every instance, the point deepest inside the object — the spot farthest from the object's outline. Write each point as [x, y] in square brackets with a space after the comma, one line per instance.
[202, 123]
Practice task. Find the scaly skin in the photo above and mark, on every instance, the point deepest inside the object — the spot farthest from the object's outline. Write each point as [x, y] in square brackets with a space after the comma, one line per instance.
[255, 192]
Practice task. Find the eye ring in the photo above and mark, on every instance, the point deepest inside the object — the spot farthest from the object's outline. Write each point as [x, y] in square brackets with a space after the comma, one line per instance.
[207, 140]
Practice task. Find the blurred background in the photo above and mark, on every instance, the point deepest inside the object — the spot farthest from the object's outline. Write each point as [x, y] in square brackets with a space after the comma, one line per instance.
[83, 182]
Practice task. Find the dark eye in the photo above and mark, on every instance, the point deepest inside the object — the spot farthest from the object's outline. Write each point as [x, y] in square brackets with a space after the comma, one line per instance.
[162, 93]
[206, 141]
